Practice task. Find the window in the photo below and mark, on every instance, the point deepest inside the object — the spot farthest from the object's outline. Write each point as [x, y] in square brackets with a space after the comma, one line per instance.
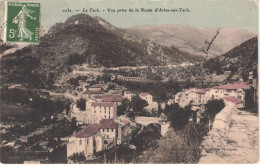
[105, 116]
[87, 141]
[94, 111]
[109, 116]
[109, 112]
[109, 108]
[239, 97]
[99, 107]
[94, 106]
[105, 111]
[80, 142]
[107, 130]
[100, 111]
[105, 108]
[112, 130]
[103, 130]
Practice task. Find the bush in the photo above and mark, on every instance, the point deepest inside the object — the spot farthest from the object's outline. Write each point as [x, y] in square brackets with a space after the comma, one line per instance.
[77, 157]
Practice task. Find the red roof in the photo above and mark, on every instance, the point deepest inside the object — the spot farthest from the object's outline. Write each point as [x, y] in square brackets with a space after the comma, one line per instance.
[233, 100]
[144, 94]
[127, 92]
[235, 86]
[88, 131]
[116, 98]
[103, 104]
[93, 92]
[201, 91]
[96, 86]
[108, 124]
[188, 90]
[125, 122]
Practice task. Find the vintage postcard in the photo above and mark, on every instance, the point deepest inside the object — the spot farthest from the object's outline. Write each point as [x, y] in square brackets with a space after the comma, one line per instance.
[129, 82]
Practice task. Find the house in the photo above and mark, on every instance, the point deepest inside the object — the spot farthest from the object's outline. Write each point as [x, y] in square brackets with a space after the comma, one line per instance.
[146, 96]
[117, 99]
[108, 128]
[86, 140]
[238, 90]
[91, 94]
[128, 95]
[97, 137]
[96, 87]
[103, 110]
[236, 102]
[123, 130]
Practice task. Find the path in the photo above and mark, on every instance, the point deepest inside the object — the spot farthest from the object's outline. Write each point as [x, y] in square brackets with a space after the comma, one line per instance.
[240, 143]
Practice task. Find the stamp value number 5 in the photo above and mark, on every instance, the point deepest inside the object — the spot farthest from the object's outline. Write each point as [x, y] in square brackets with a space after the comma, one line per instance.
[23, 22]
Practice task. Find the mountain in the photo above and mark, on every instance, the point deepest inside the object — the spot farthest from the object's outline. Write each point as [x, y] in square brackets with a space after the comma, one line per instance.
[240, 61]
[93, 41]
[192, 39]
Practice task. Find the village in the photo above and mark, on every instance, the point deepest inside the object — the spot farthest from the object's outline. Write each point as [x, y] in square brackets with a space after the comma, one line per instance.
[107, 115]
[105, 129]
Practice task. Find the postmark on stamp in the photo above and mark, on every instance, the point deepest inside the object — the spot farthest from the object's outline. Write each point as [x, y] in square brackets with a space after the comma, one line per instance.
[22, 22]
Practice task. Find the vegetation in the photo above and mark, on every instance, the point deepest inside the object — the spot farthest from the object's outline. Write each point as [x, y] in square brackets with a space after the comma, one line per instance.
[178, 117]
[77, 157]
[211, 109]
[81, 104]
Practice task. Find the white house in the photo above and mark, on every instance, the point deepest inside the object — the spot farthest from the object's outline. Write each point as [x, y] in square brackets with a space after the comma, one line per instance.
[236, 102]
[97, 137]
[128, 95]
[108, 128]
[146, 96]
[202, 96]
[117, 99]
[91, 94]
[86, 140]
[95, 87]
[103, 110]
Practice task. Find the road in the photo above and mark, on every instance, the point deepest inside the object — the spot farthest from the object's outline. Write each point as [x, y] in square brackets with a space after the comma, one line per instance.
[240, 145]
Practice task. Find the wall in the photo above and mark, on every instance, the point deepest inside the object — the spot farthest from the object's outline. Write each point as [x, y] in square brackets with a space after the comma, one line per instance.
[212, 143]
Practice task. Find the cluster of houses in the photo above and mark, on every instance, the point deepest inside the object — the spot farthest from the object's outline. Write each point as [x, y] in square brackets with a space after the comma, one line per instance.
[104, 129]
[236, 93]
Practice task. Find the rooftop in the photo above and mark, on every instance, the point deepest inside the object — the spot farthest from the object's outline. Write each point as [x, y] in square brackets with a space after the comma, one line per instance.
[233, 100]
[201, 91]
[115, 98]
[234, 86]
[144, 94]
[93, 92]
[96, 86]
[108, 124]
[88, 131]
[103, 104]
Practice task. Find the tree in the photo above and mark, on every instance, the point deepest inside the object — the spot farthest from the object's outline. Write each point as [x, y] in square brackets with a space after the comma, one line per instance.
[211, 109]
[138, 105]
[77, 157]
[178, 117]
[124, 107]
[160, 110]
[81, 104]
[74, 126]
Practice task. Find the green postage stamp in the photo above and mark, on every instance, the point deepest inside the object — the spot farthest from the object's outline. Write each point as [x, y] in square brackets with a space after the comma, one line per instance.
[22, 22]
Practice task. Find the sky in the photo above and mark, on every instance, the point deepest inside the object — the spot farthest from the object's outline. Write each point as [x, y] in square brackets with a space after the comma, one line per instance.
[240, 14]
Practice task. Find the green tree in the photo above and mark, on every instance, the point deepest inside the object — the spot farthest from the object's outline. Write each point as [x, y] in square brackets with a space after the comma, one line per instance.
[81, 104]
